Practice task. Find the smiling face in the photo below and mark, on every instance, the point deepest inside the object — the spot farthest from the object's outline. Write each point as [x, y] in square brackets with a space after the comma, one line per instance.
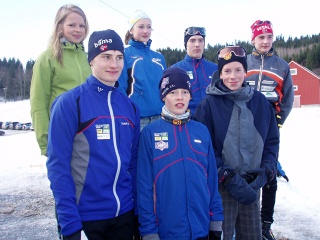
[73, 28]
[195, 46]
[107, 66]
[177, 101]
[232, 75]
[141, 30]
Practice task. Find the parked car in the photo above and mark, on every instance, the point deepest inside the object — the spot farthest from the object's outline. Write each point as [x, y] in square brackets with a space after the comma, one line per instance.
[18, 126]
[13, 125]
[26, 126]
[6, 125]
[2, 133]
[1, 125]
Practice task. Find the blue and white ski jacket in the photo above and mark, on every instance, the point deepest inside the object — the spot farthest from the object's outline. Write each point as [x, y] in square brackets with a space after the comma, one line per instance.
[200, 72]
[177, 181]
[92, 154]
[141, 76]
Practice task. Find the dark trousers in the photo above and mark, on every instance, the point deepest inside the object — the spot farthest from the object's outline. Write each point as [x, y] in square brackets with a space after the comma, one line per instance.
[119, 228]
[268, 200]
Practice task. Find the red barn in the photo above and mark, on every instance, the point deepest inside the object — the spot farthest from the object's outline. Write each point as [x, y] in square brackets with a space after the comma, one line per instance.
[306, 85]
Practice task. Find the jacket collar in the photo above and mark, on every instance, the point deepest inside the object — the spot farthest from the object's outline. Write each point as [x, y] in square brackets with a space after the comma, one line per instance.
[188, 58]
[268, 54]
[138, 44]
[98, 86]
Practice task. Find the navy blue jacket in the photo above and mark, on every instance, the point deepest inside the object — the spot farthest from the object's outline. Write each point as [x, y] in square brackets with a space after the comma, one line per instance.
[242, 138]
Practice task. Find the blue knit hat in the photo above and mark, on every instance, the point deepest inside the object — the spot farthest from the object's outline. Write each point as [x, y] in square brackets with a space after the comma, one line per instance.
[101, 41]
[174, 78]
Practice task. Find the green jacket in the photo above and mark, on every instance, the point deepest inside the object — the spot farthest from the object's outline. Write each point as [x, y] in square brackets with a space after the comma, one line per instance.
[49, 80]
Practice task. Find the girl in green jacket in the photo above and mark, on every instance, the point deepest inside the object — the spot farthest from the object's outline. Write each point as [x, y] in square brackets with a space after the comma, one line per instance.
[61, 67]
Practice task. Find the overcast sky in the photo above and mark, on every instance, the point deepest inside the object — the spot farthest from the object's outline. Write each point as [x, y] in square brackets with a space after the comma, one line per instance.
[27, 25]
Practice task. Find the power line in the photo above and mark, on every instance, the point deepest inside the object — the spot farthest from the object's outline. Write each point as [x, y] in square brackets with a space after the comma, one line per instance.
[114, 8]
[169, 40]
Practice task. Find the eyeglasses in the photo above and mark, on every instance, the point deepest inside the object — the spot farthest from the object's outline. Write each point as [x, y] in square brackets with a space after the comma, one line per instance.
[259, 23]
[195, 31]
[225, 52]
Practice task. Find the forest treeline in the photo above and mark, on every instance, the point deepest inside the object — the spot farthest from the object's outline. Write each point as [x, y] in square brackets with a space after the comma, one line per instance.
[15, 79]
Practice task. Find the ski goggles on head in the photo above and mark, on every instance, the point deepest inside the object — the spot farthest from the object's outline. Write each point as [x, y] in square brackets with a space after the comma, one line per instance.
[236, 50]
[259, 23]
[195, 31]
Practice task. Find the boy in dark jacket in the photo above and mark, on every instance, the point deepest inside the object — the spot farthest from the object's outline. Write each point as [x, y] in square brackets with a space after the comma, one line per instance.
[246, 140]
[270, 75]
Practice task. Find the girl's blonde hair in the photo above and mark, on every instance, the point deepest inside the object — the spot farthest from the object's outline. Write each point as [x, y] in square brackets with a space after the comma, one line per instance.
[56, 33]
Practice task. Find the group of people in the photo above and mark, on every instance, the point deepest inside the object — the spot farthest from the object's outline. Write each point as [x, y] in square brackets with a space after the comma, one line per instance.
[136, 149]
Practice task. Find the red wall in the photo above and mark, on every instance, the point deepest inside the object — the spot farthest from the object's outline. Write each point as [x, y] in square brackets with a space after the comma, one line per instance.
[308, 85]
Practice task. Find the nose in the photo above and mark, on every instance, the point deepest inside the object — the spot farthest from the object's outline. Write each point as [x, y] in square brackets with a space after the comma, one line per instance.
[113, 63]
[179, 95]
[78, 28]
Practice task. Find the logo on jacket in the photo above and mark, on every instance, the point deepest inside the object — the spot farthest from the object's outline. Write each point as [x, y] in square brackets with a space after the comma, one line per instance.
[103, 131]
[190, 74]
[161, 141]
[156, 60]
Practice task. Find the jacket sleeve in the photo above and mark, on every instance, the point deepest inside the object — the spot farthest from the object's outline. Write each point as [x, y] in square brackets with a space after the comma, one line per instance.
[147, 217]
[288, 97]
[216, 208]
[62, 130]
[134, 157]
[271, 145]
[40, 92]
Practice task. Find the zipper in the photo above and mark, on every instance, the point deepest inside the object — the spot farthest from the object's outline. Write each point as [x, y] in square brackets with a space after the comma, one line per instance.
[114, 140]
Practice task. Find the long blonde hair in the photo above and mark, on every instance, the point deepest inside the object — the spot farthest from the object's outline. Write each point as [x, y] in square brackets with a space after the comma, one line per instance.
[56, 33]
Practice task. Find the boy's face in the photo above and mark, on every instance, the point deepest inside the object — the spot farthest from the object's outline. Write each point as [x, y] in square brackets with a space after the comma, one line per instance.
[232, 75]
[107, 66]
[177, 101]
[263, 42]
[195, 46]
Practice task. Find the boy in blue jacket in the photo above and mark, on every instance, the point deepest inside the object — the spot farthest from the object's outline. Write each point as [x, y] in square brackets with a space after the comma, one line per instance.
[92, 149]
[177, 180]
[197, 67]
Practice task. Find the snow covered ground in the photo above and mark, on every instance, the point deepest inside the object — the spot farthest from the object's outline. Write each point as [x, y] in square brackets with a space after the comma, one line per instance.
[26, 205]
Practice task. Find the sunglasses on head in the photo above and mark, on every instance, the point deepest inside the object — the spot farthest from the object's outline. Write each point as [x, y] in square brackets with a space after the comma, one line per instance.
[195, 31]
[259, 22]
[236, 50]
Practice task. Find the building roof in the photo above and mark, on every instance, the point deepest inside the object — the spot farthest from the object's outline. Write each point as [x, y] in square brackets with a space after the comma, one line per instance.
[306, 69]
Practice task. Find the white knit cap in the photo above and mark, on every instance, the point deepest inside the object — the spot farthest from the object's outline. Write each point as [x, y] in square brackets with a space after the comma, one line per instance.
[136, 16]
